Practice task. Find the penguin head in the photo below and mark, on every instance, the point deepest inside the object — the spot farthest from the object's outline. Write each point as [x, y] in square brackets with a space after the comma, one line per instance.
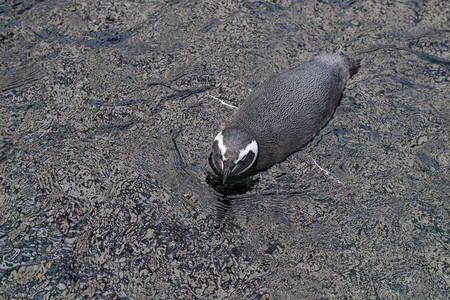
[234, 152]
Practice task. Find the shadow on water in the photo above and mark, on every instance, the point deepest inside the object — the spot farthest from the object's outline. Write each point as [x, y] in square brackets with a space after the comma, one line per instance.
[245, 199]
[224, 198]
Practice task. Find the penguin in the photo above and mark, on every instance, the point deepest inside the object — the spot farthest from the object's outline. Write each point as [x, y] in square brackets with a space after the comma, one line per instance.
[280, 116]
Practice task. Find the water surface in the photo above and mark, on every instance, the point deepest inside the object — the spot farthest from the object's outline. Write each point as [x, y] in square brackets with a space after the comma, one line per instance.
[108, 113]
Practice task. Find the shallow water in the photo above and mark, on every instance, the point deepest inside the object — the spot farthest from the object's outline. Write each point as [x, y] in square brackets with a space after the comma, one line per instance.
[109, 110]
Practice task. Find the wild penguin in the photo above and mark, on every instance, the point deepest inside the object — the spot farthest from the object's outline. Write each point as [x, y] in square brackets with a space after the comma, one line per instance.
[281, 116]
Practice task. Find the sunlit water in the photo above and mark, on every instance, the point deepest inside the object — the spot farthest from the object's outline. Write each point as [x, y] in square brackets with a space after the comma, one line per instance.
[108, 114]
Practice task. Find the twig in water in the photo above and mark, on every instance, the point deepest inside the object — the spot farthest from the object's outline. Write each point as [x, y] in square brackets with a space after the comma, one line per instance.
[326, 172]
[223, 102]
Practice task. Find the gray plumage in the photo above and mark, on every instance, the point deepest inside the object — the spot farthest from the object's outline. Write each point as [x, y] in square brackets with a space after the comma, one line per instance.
[286, 111]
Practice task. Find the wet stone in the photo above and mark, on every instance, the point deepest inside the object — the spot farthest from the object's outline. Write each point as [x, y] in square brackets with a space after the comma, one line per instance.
[109, 110]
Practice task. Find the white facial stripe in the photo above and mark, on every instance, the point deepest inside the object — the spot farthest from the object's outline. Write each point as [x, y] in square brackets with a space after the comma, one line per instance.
[253, 146]
[222, 148]
[221, 164]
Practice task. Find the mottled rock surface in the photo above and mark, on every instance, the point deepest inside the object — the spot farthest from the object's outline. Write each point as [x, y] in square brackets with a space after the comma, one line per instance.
[108, 111]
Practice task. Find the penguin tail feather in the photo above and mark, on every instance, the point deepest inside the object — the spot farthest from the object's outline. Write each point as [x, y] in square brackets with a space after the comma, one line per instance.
[354, 67]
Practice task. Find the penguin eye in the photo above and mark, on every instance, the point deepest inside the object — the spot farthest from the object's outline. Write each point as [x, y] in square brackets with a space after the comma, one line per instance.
[243, 157]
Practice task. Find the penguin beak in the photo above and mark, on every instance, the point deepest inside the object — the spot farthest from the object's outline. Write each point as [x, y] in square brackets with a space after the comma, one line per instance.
[228, 166]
